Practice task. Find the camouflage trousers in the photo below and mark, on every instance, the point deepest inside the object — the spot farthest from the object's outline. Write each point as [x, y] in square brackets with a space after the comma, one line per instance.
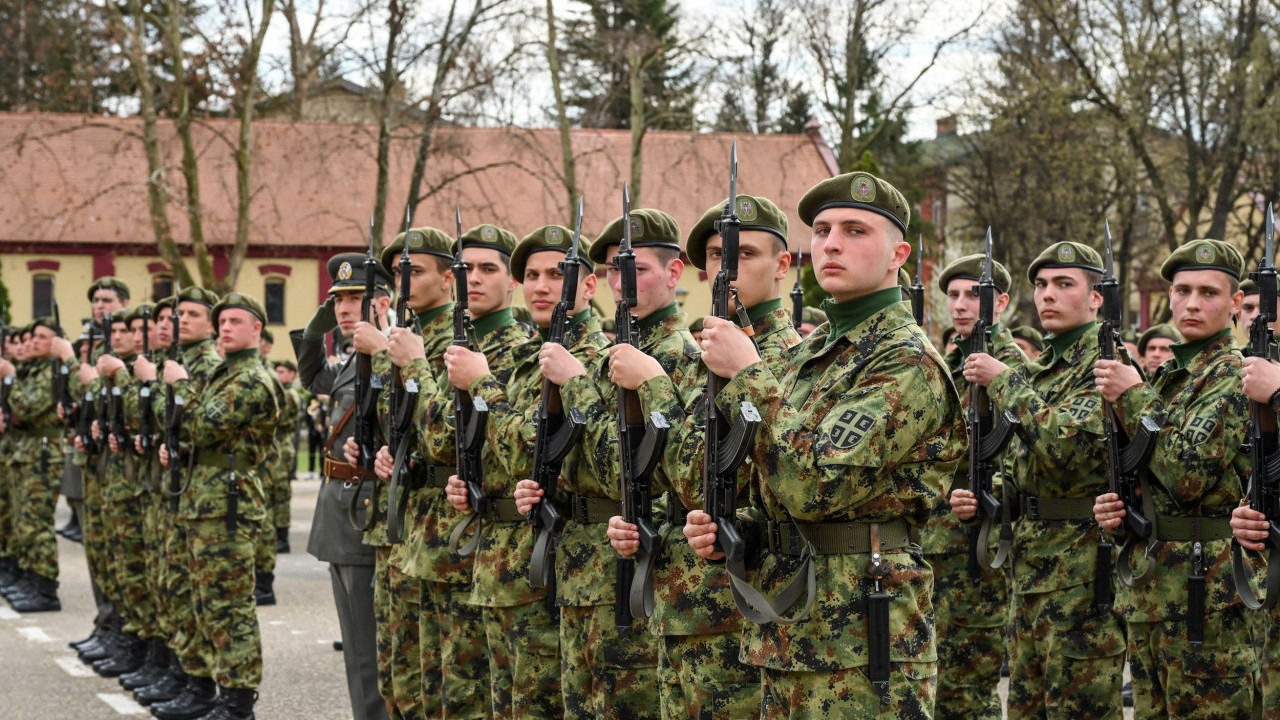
[281, 495]
[155, 528]
[848, 694]
[1171, 680]
[264, 552]
[129, 564]
[972, 620]
[603, 675]
[6, 515]
[1066, 658]
[454, 651]
[185, 640]
[222, 592]
[701, 676]
[524, 662]
[97, 547]
[35, 501]
[1269, 670]
[397, 603]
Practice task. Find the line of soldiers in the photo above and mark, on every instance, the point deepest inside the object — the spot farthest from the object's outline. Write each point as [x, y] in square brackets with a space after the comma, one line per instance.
[177, 450]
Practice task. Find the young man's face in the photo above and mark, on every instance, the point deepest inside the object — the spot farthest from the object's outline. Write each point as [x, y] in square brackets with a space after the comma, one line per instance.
[655, 280]
[543, 282]
[38, 347]
[963, 305]
[490, 286]
[429, 286]
[763, 263]
[285, 375]
[1159, 349]
[1202, 303]
[856, 252]
[106, 302]
[163, 328]
[1031, 351]
[122, 339]
[238, 329]
[1064, 299]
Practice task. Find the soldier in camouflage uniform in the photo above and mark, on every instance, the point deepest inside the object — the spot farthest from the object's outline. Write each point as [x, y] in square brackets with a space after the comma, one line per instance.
[858, 441]
[972, 613]
[1198, 473]
[1155, 345]
[14, 352]
[286, 373]
[1066, 654]
[274, 473]
[700, 673]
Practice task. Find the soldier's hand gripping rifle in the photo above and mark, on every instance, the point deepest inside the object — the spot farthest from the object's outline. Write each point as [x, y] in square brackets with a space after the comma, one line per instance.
[470, 415]
[640, 446]
[61, 377]
[556, 433]
[87, 407]
[1264, 474]
[1126, 458]
[797, 292]
[989, 433]
[368, 387]
[173, 407]
[402, 404]
[916, 291]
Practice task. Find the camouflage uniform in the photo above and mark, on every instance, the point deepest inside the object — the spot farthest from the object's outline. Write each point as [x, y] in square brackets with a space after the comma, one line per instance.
[823, 453]
[972, 617]
[1065, 655]
[287, 452]
[699, 671]
[272, 472]
[38, 469]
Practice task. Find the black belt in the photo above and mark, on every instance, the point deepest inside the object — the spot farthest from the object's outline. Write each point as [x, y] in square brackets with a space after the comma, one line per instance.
[835, 538]
[1182, 529]
[503, 510]
[213, 458]
[592, 510]
[1048, 508]
[430, 476]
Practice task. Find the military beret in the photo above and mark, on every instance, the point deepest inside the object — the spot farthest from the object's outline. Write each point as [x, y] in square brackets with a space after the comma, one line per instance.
[121, 316]
[696, 325]
[425, 240]
[266, 335]
[1029, 334]
[1129, 335]
[108, 282]
[160, 305]
[489, 236]
[649, 228]
[346, 273]
[813, 316]
[969, 267]
[1066, 254]
[548, 237]
[242, 301]
[1204, 255]
[287, 364]
[45, 321]
[856, 190]
[1163, 330]
[755, 213]
[197, 294]
[140, 311]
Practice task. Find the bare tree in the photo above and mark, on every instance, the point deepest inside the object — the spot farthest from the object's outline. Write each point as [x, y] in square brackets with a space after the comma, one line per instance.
[311, 48]
[562, 116]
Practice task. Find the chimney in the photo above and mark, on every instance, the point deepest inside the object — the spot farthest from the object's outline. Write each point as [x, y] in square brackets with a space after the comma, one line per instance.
[946, 126]
[813, 130]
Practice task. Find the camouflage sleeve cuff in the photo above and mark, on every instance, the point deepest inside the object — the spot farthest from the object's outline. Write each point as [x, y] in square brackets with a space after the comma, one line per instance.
[487, 388]
[580, 392]
[1005, 388]
[1139, 400]
[122, 378]
[418, 369]
[659, 394]
[754, 384]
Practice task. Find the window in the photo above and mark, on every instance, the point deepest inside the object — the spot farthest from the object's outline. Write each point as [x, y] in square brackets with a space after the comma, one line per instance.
[273, 297]
[161, 287]
[41, 295]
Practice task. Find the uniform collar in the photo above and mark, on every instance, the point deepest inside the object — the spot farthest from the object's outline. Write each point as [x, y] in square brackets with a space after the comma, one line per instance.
[657, 316]
[494, 320]
[755, 312]
[1059, 344]
[1185, 353]
[845, 316]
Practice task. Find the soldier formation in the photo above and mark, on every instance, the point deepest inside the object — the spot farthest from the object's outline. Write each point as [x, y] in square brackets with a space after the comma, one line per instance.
[525, 517]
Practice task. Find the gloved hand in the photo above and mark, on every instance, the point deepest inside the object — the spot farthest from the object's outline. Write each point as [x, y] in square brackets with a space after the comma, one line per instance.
[322, 322]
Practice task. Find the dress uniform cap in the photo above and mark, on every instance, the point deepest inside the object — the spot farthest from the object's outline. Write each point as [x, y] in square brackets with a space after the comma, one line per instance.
[1066, 254]
[754, 213]
[549, 237]
[109, 282]
[856, 190]
[649, 228]
[346, 273]
[1163, 330]
[489, 236]
[969, 267]
[1029, 334]
[242, 301]
[425, 240]
[1204, 255]
[197, 294]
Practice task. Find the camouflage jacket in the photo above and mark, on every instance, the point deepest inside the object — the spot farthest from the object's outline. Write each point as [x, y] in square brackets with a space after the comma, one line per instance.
[273, 463]
[235, 413]
[120, 476]
[585, 563]
[865, 426]
[35, 414]
[691, 596]
[1197, 470]
[1057, 453]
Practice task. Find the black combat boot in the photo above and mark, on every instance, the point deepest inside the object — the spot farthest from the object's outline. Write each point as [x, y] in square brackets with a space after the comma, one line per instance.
[196, 700]
[43, 598]
[156, 664]
[282, 541]
[130, 654]
[8, 571]
[72, 529]
[263, 593]
[18, 586]
[99, 643]
[233, 704]
[167, 687]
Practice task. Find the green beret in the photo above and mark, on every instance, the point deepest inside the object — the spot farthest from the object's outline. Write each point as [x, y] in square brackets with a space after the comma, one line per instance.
[287, 364]
[160, 305]
[426, 240]
[549, 237]
[266, 335]
[969, 267]
[242, 301]
[1129, 335]
[489, 236]
[649, 228]
[1163, 330]
[1030, 334]
[813, 316]
[109, 282]
[1204, 255]
[346, 273]
[43, 321]
[1066, 254]
[696, 325]
[856, 190]
[755, 213]
[197, 294]
[120, 316]
[140, 311]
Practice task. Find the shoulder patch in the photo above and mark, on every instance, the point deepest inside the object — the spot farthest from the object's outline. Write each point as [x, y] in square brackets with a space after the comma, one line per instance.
[1200, 429]
[849, 429]
[1081, 407]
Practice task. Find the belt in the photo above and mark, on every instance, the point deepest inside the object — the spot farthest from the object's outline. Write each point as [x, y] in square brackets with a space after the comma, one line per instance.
[339, 470]
[431, 476]
[592, 510]
[1182, 529]
[213, 458]
[835, 538]
[503, 510]
[1047, 508]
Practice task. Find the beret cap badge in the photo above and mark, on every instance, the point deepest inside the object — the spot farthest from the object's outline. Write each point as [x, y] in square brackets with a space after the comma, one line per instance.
[746, 209]
[1205, 253]
[489, 234]
[414, 240]
[553, 234]
[864, 188]
[1066, 253]
[637, 228]
[344, 271]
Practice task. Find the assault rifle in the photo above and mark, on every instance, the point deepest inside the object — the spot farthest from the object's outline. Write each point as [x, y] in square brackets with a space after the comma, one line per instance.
[87, 408]
[147, 421]
[7, 386]
[988, 436]
[916, 291]
[1264, 474]
[1126, 459]
[556, 433]
[368, 387]
[470, 415]
[173, 406]
[402, 403]
[640, 446]
[797, 292]
[62, 375]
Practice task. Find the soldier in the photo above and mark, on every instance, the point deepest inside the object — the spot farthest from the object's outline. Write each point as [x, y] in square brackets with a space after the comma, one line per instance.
[1201, 472]
[971, 612]
[1066, 654]
[1029, 341]
[1155, 346]
[274, 473]
[857, 442]
[333, 539]
[10, 573]
[700, 673]
[287, 445]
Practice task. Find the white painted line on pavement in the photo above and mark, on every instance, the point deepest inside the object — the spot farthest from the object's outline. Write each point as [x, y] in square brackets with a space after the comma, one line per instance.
[9, 614]
[34, 634]
[74, 667]
[276, 622]
[298, 632]
[122, 703]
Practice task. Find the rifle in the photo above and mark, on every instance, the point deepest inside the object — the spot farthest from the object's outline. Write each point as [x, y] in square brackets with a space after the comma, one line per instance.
[556, 433]
[1264, 491]
[87, 409]
[470, 415]
[797, 292]
[147, 421]
[368, 387]
[403, 402]
[1126, 459]
[62, 376]
[988, 436]
[916, 291]
[640, 446]
[173, 406]
[7, 386]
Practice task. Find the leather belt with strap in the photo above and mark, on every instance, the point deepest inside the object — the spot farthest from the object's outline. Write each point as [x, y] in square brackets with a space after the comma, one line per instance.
[835, 538]
[339, 470]
[213, 458]
[1182, 529]
[1047, 508]
[431, 476]
[592, 510]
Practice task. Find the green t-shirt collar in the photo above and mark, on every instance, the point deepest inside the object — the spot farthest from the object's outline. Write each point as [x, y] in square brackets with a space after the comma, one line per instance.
[966, 344]
[656, 317]
[494, 320]
[239, 354]
[755, 312]
[1184, 353]
[1060, 343]
[845, 316]
[574, 321]
[428, 315]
